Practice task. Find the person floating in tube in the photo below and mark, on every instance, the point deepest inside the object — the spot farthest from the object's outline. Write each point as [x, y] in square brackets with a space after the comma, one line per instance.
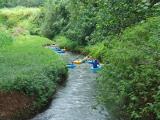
[95, 63]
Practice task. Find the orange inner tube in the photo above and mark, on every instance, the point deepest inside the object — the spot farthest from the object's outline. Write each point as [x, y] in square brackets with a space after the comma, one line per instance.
[77, 62]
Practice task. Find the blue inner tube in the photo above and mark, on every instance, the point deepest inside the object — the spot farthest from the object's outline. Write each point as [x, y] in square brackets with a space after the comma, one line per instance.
[71, 65]
[90, 61]
[96, 69]
[61, 51]
[57, 49]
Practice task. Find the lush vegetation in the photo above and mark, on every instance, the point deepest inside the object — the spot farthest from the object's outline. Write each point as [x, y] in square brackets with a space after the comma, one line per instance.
[21, 20]
[93, 21]
[130, 82]
[123, 34]
[56, 18]
[26, 65]
[27, 3]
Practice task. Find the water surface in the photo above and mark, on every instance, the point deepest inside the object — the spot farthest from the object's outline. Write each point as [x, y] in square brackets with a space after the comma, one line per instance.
[76, 100]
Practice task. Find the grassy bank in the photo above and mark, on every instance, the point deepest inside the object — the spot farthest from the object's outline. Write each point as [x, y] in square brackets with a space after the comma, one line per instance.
[20, 20]
[30, 73]
[30, 69]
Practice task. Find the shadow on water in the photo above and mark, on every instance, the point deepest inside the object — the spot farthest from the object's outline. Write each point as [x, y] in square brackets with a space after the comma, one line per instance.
[76, 99]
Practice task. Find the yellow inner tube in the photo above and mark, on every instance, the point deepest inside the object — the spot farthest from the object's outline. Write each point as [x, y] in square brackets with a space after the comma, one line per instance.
[77, 62]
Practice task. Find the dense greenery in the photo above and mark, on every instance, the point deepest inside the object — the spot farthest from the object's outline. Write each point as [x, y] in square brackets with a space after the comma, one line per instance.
[93, 21]
[130, 82]
[125, 35]
[26, 66]
[56, 18]
[21, 20]
[27, 3]
[122, 33]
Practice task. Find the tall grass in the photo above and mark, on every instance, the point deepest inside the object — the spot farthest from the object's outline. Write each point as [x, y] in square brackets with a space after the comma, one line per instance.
[21, 17]
[28, 67]
[5, 39]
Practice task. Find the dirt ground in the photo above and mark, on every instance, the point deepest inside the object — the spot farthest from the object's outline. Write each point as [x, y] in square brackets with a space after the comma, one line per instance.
[13, 103]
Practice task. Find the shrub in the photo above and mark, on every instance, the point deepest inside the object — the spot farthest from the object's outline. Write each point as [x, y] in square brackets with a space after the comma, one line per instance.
[96, 51]
[29, 68]
[130, 82]
[63, 42]
[56, 18]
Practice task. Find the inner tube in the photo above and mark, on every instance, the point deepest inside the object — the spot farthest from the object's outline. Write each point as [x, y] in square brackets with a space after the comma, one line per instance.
[96, 69]
[71, 66]
[90, 61]
[57, 49]
[64, 49]
[61, 51]
[77, 62]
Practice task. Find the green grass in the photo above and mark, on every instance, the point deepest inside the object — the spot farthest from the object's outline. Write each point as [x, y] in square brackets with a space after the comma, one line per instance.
[21, 17]
[5, 39]
[25, 64]
[20, 12]
[28, 67]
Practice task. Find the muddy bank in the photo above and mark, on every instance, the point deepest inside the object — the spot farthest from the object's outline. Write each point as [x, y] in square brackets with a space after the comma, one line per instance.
[14, 104]
[18, 106]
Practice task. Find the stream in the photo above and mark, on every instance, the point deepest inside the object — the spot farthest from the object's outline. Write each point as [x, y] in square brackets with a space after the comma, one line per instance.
[76, 100]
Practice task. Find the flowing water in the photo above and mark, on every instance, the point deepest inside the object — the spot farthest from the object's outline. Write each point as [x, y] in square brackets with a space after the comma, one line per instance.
[76, 99]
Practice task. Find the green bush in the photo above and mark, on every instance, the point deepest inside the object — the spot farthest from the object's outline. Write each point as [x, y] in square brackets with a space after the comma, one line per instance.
[130, 82]
[56, 18]
[64, 42]
[96, 51]
[28, 67]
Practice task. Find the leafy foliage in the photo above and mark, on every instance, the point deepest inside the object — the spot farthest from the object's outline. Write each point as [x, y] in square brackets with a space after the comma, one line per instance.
[27, 3]
[131, 81]
[56, 18]
[26, 66]
[63, 42]
[116, 32]
[88, 22]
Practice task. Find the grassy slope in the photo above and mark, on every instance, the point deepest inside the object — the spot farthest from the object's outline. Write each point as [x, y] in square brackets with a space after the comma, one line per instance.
[27, 60]
[20, 19]
[26, 66]
[29, 68]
